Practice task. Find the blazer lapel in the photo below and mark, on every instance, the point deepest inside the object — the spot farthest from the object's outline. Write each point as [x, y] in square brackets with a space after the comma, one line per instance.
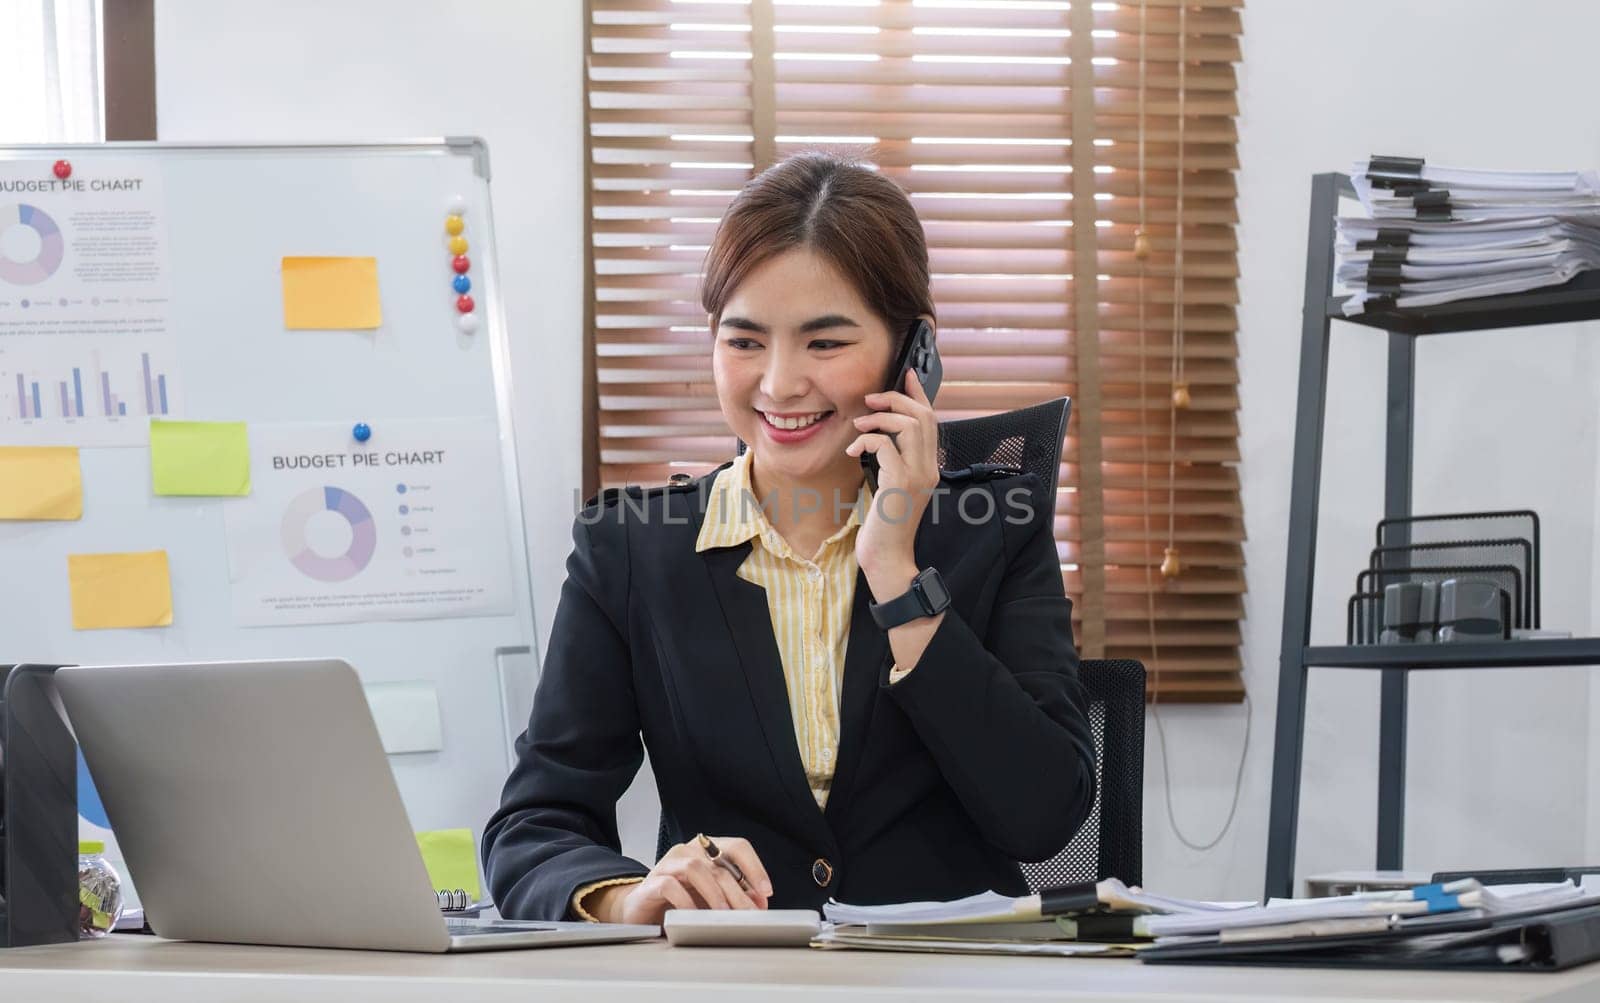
[865, 655]
[744, 607]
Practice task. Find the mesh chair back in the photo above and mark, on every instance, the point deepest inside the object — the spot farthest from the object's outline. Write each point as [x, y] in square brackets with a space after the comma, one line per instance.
[1029, 438]
[1110, 843]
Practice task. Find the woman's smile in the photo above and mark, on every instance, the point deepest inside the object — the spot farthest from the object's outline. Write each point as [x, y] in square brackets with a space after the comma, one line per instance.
[786, 428]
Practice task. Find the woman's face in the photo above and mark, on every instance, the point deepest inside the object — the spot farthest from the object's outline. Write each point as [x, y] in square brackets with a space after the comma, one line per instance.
[796, 352]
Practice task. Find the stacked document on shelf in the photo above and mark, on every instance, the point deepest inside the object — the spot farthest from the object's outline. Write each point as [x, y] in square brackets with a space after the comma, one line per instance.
[1429, 235]
[1089, 919]
[1366, 912]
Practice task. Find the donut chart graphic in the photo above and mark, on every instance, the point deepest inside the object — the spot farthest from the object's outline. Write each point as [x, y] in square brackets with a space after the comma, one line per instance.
[363, 534]
[52, 245]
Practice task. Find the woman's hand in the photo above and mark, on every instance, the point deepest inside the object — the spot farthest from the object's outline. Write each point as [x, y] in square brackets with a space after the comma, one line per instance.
[908, 473]
[685, 878]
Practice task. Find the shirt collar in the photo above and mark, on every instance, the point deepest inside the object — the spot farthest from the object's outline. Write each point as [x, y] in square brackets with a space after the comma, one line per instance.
[734, 515]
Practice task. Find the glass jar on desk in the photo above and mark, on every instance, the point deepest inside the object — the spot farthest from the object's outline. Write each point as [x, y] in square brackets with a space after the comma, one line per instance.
[99, 892]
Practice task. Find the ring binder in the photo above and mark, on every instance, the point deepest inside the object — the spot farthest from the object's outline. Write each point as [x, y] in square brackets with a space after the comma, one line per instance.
[453, 899]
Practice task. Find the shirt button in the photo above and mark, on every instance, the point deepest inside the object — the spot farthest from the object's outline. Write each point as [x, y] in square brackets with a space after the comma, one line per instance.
[821, 872]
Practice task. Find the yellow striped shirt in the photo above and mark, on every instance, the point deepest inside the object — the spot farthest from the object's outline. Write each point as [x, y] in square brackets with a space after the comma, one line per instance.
[809, 600]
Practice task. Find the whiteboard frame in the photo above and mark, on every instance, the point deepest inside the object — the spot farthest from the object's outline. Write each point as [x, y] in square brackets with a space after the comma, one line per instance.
[486, 257]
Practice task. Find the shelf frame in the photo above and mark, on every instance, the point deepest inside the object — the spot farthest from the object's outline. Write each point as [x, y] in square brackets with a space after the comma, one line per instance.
[1577, 300]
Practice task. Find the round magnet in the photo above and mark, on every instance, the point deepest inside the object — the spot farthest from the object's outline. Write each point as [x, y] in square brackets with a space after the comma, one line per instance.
[461, 264]
[458, 205]
[458, 245]
[63, 170]
[468, 322]
[454, 225]
[362, 431]
[464, 304]
[462, 284]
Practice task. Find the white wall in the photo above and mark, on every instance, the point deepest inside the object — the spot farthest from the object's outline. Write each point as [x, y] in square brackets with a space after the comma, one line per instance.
[1499, 761]
[1505, 419]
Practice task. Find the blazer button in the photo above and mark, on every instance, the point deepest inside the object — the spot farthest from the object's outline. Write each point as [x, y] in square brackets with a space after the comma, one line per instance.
[821, 872]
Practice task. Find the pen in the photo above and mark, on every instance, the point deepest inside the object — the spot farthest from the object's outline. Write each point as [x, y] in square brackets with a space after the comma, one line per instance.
[721, 860]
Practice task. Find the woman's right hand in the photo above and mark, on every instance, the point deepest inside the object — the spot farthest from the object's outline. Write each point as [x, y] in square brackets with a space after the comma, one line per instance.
[685, 878]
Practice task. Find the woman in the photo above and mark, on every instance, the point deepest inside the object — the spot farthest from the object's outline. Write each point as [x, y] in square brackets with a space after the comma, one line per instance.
[730, 621]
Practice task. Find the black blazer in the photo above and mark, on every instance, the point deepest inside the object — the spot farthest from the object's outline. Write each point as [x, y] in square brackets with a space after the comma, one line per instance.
[980, 757]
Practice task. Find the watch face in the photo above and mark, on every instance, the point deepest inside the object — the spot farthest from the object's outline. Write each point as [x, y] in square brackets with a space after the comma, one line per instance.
[935, 596]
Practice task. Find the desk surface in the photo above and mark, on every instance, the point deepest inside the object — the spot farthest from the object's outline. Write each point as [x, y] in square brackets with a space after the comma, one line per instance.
[135, 968]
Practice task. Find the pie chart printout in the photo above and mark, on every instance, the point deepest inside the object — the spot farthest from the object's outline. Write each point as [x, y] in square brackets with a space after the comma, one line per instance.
[52, 246]
[297, 545]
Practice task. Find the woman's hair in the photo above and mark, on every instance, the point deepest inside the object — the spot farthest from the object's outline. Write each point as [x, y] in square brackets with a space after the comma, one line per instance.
[856, 218]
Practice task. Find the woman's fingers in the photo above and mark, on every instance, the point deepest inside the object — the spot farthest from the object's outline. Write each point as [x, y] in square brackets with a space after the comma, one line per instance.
[700, 876]
[737, 897]
[872, 442]
[914, 389]
[742, 853]
[887, 421]
[672, 892]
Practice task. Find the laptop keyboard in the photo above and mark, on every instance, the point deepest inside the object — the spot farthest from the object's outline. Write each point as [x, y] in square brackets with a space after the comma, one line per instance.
[476, 927]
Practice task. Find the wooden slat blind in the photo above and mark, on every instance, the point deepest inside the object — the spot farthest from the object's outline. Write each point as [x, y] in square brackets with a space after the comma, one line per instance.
[969, 105]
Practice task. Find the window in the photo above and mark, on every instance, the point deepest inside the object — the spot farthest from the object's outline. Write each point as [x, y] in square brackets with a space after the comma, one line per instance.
[50, 55]
[1016, 125]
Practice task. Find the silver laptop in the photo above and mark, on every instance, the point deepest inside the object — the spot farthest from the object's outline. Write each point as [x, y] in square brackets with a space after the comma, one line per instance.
[253, 804]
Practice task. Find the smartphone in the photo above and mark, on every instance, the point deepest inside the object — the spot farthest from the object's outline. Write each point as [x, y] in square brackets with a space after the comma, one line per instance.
[918, 354]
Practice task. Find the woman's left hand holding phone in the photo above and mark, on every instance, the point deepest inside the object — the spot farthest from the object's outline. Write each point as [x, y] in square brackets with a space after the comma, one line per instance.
[904, 435]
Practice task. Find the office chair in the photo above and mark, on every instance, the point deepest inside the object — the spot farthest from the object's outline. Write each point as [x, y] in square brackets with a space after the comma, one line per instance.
[1110, 841]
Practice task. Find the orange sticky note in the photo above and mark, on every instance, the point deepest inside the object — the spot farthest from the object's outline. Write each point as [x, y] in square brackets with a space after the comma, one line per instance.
[120, 590]
[331, 294]
[40, 482]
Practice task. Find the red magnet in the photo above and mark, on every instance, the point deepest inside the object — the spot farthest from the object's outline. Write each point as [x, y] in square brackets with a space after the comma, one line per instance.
[461, 263]
[464, 304]
[63, 170]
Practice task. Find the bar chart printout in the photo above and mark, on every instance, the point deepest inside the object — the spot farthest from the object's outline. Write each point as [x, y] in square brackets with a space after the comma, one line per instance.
[84, 391]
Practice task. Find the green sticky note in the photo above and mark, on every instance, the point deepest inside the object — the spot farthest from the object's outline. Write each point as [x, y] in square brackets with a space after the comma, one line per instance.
[199, 458]
[452, 860]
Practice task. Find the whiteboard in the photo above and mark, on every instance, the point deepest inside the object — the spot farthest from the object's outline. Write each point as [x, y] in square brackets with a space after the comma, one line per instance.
[231, 213]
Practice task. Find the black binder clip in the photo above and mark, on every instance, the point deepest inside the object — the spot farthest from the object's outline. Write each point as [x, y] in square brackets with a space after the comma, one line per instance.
[1432, 206]
[1392, 243]
[1383, 275]
[1396, 173]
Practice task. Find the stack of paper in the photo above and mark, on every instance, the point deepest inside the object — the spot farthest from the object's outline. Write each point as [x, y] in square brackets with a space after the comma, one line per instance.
[1088, 919]
[1364, 912]
[1430, 235]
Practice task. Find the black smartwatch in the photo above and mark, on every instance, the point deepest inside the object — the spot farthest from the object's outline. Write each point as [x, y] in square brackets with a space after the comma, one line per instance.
[927, 597]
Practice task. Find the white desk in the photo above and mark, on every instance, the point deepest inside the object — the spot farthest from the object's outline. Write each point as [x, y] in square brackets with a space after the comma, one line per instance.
[132, 969]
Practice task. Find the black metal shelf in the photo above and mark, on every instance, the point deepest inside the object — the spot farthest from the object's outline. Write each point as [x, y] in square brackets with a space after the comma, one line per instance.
[1481, 655]
[1578, 299]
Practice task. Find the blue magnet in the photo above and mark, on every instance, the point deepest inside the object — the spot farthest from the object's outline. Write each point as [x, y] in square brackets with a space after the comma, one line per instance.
[362, 431]
[462, 284]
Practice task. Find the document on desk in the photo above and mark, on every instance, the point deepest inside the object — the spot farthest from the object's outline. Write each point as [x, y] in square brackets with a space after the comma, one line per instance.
[859, 939]
[1299, 916]
[992, 907]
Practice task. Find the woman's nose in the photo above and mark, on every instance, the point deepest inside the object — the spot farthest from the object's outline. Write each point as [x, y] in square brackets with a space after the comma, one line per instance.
[785, 377]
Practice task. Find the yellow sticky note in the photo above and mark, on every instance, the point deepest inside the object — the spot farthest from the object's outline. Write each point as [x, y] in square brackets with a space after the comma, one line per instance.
[199, 458]
[120, 590]
[331, 294]
[40, 482]
[452, 859]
